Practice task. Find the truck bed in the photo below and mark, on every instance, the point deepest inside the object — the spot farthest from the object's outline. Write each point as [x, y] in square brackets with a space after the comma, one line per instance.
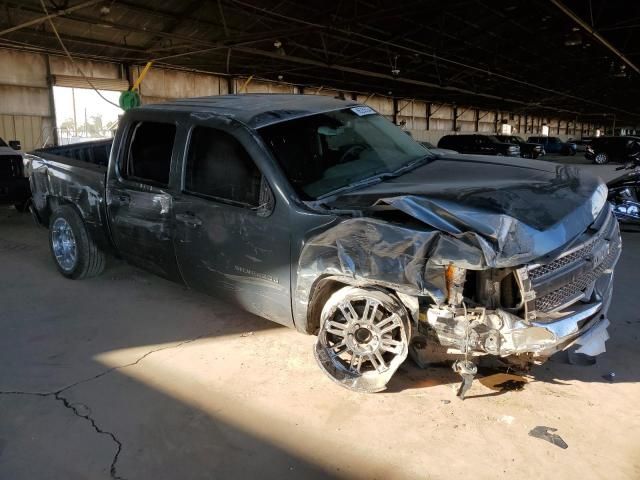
[72, 174]
[96, 152]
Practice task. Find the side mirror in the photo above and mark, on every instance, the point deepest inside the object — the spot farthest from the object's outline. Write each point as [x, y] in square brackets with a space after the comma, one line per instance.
[15, 144]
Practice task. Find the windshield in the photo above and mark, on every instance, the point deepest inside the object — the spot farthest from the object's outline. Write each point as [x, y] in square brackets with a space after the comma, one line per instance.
[2, 144]
[330, 151]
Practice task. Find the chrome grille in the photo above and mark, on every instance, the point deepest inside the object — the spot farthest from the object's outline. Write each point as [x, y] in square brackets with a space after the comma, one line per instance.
[575, 254]
[573, 291]
[565, 280]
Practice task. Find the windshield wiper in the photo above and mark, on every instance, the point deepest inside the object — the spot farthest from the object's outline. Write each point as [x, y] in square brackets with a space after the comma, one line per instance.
[354, 186]
[365, 182]
[411, 165]
[378, 177]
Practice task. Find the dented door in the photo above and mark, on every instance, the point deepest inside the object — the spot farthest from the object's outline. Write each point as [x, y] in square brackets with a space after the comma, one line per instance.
[231, 243]
[139, 201]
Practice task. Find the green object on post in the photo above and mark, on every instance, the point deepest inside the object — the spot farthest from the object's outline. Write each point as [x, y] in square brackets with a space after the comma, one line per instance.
[129, 99]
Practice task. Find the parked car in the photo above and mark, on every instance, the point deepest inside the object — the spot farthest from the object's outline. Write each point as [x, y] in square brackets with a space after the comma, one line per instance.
[14, 184]
[612, 149]
[438, 151]
[581, 145]
[527, 149]
[479, 144]
[321, 215]
[555, 145]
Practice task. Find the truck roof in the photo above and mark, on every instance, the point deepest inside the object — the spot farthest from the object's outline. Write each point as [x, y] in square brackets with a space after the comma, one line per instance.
[256, 110]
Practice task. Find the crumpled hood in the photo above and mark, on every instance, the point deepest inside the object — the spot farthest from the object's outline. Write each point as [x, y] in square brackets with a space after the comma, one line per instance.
[476, 212]
[520, 209]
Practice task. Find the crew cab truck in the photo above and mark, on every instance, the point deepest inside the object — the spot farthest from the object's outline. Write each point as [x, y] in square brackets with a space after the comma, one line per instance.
[320, 214]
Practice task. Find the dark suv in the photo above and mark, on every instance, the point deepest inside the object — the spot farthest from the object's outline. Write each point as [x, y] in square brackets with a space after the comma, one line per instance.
[527, 149]
[555, 145]
[479, 144]
[602, 150]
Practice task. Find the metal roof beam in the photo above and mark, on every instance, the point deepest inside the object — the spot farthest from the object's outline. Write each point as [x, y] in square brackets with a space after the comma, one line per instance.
[567, 11]
[44, 18]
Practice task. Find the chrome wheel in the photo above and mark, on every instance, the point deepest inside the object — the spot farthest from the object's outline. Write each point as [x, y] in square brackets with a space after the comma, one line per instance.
[363, 338]
[63, 243]
[601, 158]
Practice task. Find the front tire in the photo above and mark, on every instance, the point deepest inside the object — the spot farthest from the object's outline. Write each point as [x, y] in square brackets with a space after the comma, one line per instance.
[74, 252]
[364, 338]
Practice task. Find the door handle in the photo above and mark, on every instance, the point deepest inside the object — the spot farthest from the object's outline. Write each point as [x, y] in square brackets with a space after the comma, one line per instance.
[189, 219]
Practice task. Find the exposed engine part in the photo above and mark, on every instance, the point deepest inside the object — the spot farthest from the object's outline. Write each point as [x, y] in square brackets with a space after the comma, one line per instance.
[455, 277]
[450, 325]
[467, 370]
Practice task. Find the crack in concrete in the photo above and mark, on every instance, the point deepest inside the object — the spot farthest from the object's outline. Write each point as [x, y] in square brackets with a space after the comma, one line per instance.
[71, 406]
[112, 467]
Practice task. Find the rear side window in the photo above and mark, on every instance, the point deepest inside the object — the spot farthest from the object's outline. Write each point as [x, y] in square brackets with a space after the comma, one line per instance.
[149, 156]
[218, 166]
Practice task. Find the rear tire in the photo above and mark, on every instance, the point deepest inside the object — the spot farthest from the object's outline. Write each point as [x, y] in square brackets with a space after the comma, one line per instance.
[601, 158]
[74, 252]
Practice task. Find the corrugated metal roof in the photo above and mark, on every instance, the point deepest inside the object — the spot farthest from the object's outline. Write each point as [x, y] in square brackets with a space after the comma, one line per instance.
[506, 54]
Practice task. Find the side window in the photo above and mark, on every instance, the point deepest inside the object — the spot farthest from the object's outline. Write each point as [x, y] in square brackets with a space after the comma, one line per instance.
[149, 156]
[218, 166]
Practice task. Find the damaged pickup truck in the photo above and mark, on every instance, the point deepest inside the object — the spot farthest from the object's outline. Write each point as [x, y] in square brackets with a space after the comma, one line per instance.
[322, 215]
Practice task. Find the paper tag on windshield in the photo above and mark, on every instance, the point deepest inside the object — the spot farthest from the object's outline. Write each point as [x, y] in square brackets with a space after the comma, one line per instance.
[363, 110]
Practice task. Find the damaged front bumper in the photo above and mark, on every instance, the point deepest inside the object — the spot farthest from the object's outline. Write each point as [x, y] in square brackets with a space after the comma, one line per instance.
[564, 303]
[496, 332]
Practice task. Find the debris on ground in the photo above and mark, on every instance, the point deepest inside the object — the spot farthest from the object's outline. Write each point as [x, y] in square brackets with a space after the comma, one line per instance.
[246, 334]
[545, 433]
[511, 385]
[610, 377]
[504, 382]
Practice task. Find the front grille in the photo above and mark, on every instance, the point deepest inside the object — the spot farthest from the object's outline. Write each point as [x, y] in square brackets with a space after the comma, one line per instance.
[574, 291]
[574, 255]
[569, 277]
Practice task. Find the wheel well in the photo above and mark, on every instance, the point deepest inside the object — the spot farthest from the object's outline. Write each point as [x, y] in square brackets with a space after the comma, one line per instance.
[322, 290]
[327, 286]
[52, 204]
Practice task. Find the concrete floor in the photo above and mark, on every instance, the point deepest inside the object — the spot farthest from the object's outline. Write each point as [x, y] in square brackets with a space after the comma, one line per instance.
[130, 376]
